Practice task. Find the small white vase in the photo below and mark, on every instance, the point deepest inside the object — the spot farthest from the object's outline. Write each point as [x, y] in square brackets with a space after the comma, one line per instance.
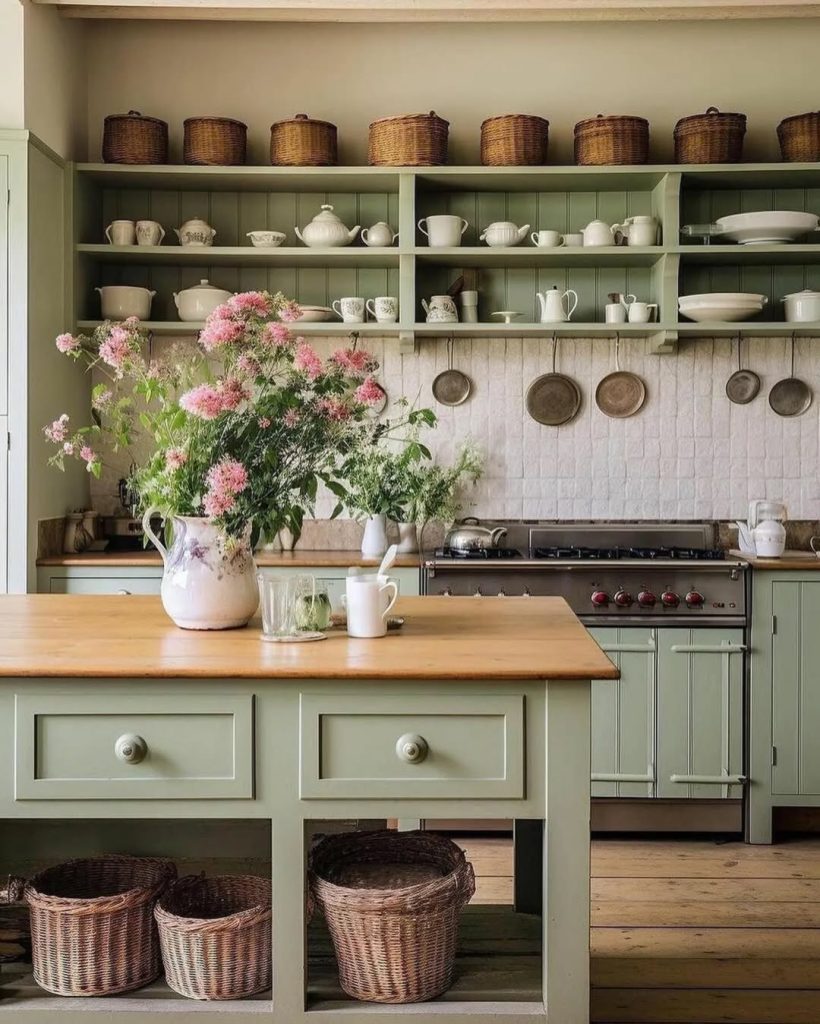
[408, 539]
[374, 541]
[209, 580]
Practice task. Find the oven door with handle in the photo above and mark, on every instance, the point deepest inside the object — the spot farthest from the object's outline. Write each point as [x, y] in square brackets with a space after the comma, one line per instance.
[700, 713]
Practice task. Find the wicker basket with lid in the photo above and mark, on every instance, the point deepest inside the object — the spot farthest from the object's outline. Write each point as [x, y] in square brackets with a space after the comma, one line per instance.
[710, 138]
[799, 137]
[514, 140]
[409, 140]
[92, 923]
[133, 138]
[615, 139]
[215, 141]
[302, 141]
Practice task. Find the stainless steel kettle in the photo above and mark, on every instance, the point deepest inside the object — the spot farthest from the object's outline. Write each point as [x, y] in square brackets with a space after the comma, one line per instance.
[469, 536]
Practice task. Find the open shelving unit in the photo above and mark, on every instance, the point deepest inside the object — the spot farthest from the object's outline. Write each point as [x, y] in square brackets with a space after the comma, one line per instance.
[235, 200]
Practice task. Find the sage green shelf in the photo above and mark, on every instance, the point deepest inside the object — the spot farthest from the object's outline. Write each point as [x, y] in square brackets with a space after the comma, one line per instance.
[333, 328]
[734, 255]
[749, 328]
[519, 329]
[533, 256]
[348, 257]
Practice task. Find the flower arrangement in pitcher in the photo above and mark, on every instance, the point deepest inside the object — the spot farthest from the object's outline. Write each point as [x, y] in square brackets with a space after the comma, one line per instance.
[247, 443]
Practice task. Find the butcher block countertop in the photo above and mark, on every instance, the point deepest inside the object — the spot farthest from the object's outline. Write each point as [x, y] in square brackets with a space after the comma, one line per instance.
[264, 559]
[803, 560]
[443, 638]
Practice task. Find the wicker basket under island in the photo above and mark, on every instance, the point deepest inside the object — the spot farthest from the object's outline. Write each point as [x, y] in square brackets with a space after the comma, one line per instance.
[392, 902]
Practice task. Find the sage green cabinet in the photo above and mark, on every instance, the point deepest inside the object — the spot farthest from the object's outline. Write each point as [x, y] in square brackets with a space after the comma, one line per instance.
[623, 715]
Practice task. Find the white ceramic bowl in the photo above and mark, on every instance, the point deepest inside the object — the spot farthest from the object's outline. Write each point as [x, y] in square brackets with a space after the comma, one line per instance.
[729, 306]
[771, 227]
[266, 239]
[314, 314]
[119, 301]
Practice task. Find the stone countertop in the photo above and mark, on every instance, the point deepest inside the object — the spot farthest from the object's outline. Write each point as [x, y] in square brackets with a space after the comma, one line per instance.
[300, 558]
[803, 560]
[44, 635]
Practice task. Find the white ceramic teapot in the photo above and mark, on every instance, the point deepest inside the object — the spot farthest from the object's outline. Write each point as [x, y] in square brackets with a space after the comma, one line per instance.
[598, 232]
[195, 232]
[504, 232]
[379, 235]
[554, 305]
[440, 310]
[769, 538]
[327, 230]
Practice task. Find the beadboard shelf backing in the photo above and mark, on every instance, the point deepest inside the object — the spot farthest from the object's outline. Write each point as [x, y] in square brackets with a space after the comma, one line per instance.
[236, 200]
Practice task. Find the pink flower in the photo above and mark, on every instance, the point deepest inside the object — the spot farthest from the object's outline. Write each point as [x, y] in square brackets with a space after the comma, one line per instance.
[175, 458]
[117, 349]
[290, 311]
[216, 505]
[250, 303]
[68, 448]
[291, 417]
[248, 364]
[233, 393]
[154, 371]
[67, 343]
[131, 321]
[225, 480]
[58, 430]
[87, 454]
[333, 408]
[369, 392]
[263, 422]
[103, 400]
[218, 332]
[353, 361]
[307, 360]
[203, 401]
[275, 335]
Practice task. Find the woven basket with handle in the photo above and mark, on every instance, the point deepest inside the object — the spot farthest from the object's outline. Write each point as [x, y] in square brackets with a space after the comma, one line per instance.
[92, 923]
[134, 139]
[617, 139]
[216, 936]
[799, 137]
[395, 943]
[710, 138]
[303, 141]
[514, 140]
[214, 141]
[410, 140]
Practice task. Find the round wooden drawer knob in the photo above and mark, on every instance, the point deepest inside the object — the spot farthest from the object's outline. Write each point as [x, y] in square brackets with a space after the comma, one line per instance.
[131, 748]
[411, 748]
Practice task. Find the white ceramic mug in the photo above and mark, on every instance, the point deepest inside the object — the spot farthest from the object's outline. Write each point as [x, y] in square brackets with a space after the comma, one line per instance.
[121, 232]
[814, 544]
[573, 240]
[641, 312]
[547, 239]
[350, 309]
[384, 308]
[364, 600]
[443, 230]
[614, 313]
[149, 232]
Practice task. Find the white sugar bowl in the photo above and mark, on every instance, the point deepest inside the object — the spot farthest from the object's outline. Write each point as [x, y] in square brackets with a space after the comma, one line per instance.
[802, 307]
[266, 239]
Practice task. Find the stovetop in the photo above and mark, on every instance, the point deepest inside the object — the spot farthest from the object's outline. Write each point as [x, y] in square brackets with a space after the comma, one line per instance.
[611, 554]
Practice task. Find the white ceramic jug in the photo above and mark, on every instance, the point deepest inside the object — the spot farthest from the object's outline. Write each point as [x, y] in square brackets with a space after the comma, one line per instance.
[554, 305]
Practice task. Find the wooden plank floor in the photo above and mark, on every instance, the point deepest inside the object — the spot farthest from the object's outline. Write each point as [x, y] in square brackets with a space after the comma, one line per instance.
[693, 932]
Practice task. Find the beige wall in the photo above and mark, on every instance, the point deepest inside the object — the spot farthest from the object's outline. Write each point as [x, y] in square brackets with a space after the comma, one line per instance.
[11, 64]
[351, 74]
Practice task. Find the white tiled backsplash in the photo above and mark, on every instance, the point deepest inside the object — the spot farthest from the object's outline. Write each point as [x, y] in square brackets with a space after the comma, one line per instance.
[688, 454]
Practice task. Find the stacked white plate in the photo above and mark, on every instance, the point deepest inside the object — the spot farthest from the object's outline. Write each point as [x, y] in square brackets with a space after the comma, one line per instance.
[767, 227]
[721, 306]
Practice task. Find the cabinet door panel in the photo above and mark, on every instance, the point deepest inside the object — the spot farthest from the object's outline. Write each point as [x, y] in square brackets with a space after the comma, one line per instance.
[700, 712]
[623, 716]
[796, 687]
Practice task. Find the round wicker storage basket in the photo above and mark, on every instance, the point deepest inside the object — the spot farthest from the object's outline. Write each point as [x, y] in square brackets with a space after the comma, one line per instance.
[799, 137]
[392, 901]
[710, 138]
[92, 923]
[302, 141]
[215, 935]
[514, 140]
[134, 139]
[214, 141]
[410, 140]
[618, 139]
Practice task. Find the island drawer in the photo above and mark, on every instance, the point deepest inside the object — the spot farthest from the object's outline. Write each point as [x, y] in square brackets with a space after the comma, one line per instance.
[412, 746]
[128, 746]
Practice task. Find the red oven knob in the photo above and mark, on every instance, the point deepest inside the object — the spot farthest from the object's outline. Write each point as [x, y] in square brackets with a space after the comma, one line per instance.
[622, 599]
[600, 598]
[669, 599]
[646, 599]
[694, 599]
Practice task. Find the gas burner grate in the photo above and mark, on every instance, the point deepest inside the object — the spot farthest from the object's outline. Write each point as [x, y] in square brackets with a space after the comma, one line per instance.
[579, 554]
[586, 554]
[478, 554]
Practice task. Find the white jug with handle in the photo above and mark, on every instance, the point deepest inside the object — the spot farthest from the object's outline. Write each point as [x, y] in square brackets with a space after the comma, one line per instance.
[554, 305]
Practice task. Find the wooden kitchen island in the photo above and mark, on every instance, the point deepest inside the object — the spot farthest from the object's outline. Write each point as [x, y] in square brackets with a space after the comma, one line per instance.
[248, 749]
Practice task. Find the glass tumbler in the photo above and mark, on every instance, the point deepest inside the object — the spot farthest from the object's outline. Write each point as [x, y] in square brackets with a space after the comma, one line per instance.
[276, 595]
